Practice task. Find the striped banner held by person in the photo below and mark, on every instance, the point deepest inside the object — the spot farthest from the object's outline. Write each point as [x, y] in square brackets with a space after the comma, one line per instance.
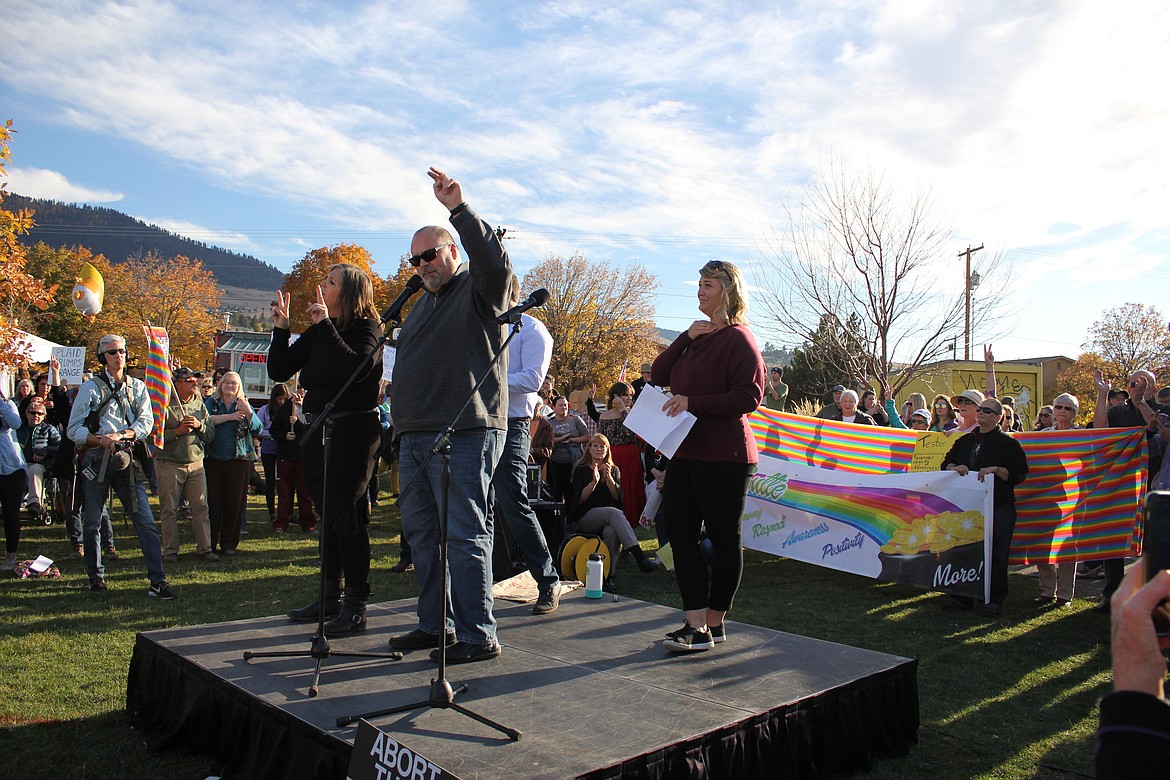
[1080, 501]
[158, 376]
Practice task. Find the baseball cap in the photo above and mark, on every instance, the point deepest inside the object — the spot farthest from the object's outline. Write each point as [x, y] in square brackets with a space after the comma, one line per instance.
[185, 373]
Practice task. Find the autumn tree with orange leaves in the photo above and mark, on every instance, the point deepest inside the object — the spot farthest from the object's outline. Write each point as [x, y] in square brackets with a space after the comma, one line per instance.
[600, 319]
[21, 294]
[302, 281]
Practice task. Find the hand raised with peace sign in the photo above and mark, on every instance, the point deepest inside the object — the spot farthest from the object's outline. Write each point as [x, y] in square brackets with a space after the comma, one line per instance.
[280, 308]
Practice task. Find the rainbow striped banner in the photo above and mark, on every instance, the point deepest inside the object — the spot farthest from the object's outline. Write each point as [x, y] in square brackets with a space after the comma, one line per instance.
[1080, 501]
[1083, 495]
[158, 376]
[826, 444]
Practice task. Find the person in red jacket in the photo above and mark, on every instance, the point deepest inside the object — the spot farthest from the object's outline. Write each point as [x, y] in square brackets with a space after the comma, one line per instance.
[715, 371]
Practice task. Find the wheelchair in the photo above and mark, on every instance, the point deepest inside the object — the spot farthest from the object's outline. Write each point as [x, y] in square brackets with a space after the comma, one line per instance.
[47, 503]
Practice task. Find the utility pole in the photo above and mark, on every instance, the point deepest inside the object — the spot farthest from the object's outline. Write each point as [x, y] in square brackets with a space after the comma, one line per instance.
[967, 292]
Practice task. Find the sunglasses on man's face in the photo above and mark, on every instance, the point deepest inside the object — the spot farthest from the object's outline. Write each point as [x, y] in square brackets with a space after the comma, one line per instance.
[1063, 408]
[427, 256]
[987, 410]
[121, 351]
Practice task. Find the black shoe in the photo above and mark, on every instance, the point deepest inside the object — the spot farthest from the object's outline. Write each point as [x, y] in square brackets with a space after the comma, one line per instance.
[464, 653]
[402, 566]
[608, 585]
[649, 565]
[989, 610]
[718, 633]
[349, 621]
[1062, 603]
[548, 601]
[161, 591]
[690, 640]
[98, 585]
[419, 640]
[1102, 607]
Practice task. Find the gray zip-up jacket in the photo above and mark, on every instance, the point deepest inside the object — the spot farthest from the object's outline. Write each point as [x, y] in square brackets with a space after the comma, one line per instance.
[450, 337]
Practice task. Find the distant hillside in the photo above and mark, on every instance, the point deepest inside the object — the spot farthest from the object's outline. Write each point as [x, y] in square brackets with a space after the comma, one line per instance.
[119, 236]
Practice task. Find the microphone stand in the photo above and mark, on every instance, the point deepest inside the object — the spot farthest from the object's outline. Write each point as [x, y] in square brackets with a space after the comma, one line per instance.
[441, 695]
[319, 648]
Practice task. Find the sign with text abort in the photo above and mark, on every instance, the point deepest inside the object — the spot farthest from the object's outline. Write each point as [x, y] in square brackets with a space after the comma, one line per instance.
[378, 756]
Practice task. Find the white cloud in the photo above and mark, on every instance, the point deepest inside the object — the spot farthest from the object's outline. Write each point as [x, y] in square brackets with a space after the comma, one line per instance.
[654, 131]
[51, 185]
[235, 240]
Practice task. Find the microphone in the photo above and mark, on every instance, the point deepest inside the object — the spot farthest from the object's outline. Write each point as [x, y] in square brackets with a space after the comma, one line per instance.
[412, 286]
[537, 298]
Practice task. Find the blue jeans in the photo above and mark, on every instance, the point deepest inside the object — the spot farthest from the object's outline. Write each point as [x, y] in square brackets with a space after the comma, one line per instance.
[132, 494]
[469, 539]
[73, 519]
[510, 499]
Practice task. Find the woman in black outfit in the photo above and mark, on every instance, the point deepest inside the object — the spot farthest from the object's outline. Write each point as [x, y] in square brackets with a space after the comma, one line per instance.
[597, 505]
[345, 331]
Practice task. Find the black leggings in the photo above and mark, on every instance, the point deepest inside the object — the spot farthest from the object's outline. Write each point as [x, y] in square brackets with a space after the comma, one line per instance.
[560, 481]
[345, 540]
[268, 460]
[12, 489]
[711, 495]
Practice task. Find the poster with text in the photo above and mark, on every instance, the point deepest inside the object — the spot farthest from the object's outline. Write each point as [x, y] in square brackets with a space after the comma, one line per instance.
[921, 529]
[72, 360]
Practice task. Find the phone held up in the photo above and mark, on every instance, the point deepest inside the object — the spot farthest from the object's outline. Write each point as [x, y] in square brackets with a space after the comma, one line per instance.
[1156, 555]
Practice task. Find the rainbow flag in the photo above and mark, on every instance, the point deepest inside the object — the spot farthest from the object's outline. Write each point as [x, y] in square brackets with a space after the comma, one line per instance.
[1083, 495]
[1080, 501]
[827, 444]
[158, 376]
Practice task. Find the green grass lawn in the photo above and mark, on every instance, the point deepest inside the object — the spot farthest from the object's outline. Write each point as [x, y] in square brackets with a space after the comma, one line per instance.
[1014, 697]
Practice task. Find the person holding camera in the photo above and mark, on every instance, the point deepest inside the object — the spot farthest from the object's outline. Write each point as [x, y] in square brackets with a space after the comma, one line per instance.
[111, 413]
[1133, 738]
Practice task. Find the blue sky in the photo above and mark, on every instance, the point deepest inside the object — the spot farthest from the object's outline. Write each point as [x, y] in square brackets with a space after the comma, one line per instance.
[662, 133]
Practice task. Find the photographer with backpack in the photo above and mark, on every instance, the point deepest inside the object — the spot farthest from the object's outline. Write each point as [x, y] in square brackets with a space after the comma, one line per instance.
[111, 413]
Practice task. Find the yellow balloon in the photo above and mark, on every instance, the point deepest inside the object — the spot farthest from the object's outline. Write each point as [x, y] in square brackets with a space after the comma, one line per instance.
[90, 291]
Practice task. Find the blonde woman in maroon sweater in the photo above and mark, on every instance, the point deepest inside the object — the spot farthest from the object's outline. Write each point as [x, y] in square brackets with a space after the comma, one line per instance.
[715, 371]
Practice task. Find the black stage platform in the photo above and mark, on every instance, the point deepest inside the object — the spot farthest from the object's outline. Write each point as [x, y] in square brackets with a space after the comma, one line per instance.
[590, 687]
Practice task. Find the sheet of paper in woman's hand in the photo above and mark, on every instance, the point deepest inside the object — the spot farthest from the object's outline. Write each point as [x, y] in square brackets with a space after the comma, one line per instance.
[651, 423]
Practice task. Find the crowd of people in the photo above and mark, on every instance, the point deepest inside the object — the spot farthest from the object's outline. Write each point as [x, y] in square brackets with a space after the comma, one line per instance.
[93, 439]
